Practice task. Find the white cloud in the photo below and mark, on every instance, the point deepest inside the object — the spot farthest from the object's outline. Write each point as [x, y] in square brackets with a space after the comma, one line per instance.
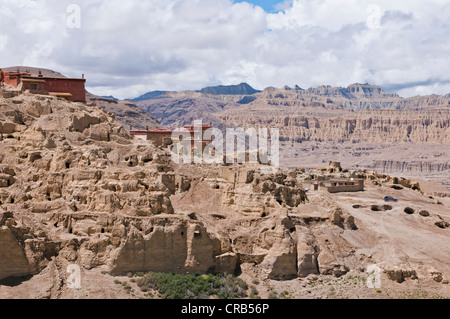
[127, 48]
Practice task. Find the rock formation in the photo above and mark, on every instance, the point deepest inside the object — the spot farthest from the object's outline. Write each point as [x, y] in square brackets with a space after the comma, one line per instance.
[77, 189]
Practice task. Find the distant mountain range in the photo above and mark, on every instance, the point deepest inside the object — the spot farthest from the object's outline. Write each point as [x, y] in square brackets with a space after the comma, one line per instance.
[110, 97]
[243, 93]
[239, 89]
[149, 96]
[298, 112]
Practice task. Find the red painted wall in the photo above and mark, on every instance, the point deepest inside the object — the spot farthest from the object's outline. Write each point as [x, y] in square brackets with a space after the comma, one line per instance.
[76, 87]
[62, 85]
[11, 78]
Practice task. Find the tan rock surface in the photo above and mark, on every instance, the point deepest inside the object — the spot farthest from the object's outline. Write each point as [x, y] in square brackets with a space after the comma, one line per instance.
[77, 190]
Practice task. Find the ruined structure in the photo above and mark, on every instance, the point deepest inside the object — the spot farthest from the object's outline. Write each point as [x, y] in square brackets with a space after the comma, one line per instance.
[344, 185]
[163, 137]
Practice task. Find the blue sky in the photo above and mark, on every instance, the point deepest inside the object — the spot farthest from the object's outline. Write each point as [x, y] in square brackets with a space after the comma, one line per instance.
[267, 5]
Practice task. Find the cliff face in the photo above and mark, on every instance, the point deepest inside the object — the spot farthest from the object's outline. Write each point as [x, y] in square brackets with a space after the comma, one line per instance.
[380, 126]
[353, 91]
[408, 167]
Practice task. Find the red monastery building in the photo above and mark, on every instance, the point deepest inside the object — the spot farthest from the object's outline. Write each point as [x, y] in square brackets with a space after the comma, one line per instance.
[73, 89]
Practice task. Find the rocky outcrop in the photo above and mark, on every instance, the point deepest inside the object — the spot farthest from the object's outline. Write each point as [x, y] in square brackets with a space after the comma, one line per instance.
[169, 244]
[24, 249]
[280, 262]
[69, 163]
[246, 189]
[13, 261]
[400, 273]
[307, 251]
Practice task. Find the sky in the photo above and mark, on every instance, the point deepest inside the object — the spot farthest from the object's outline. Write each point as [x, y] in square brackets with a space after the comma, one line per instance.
[127, 48]
[270, 6]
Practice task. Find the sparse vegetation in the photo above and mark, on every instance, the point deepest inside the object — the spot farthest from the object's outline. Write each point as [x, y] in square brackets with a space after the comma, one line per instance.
[172, 286]
[421, 294]
[254, 294]
[273, 295]
[409, 210]
[127, 287]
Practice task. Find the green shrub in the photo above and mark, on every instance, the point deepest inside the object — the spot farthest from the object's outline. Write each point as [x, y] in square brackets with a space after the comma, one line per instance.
[127, 287]
[273, 295]
[254, 293]
[172, 286]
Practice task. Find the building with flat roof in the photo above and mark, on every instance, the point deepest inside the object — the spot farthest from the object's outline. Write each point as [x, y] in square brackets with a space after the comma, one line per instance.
[344, 185]
[72, 89]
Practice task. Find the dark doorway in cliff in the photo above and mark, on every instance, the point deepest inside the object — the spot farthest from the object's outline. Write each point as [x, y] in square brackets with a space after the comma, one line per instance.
[51, 250]
[238, 270]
